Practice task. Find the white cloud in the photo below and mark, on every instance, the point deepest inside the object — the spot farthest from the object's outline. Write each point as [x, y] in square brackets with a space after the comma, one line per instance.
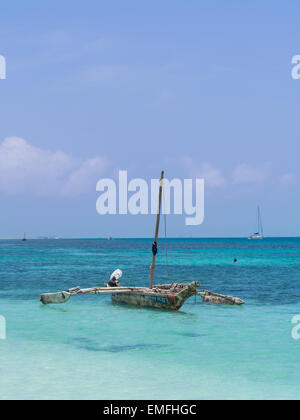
[213, 177]
[58, 46]
[82, 178]
[28, 169]
[287, 179]
[55, 38]
[102, 73]
[245, 173]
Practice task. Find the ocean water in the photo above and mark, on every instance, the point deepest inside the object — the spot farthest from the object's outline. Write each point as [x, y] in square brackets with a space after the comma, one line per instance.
[89, 348]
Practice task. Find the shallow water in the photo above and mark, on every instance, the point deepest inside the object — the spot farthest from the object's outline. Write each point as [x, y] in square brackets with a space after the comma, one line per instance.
[90, 348]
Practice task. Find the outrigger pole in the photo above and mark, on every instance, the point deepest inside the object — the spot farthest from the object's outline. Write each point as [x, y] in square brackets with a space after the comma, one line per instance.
[154, 246]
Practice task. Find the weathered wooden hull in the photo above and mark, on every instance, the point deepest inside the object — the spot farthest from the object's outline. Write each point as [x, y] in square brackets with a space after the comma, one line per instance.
[164, 296]
[145, 300]
[159, 300]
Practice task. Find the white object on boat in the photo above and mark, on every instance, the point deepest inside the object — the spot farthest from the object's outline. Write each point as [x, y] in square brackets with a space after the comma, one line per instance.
[117, 274]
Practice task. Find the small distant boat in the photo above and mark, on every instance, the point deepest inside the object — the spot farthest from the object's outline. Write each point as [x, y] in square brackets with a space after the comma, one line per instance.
[259, 234]
[24, 238]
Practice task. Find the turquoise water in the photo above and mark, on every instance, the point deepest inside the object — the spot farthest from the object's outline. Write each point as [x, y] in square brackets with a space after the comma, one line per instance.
[90, 348]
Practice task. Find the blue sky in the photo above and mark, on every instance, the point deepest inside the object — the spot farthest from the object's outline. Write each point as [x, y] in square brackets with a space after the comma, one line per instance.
[198, 88]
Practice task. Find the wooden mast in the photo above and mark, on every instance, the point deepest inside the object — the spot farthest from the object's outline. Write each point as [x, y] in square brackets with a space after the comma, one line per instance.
[156, 228]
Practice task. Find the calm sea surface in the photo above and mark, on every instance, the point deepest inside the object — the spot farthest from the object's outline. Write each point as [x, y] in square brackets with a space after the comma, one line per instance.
[90, 348]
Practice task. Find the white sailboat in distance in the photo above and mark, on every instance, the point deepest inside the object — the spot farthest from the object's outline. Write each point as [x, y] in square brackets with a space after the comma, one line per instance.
[259, 234]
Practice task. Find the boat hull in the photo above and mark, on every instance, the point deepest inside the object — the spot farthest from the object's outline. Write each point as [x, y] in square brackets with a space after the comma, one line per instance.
[145, 301]
[169, 301]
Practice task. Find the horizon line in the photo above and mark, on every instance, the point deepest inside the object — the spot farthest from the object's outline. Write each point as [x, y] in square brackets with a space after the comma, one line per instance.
[138, 237]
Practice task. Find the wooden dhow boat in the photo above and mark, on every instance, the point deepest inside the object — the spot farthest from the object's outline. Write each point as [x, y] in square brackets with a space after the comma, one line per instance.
[165, 296]
[162, 296]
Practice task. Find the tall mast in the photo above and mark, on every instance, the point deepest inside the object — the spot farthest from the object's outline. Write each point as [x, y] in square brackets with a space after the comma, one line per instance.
[156, 229]
[260, 224]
